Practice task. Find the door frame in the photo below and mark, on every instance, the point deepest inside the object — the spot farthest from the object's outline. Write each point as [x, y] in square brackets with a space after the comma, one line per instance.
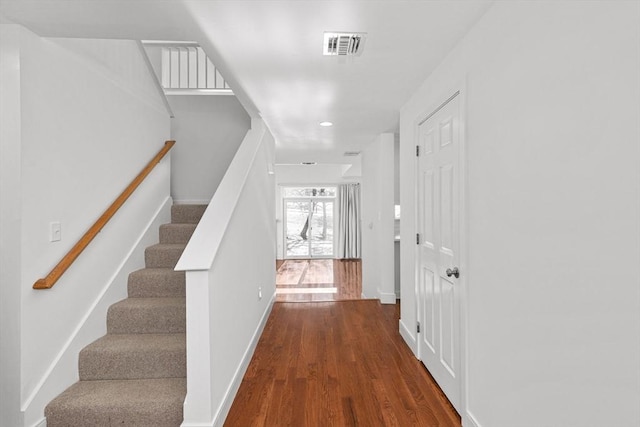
[460, 91]
[310, 200]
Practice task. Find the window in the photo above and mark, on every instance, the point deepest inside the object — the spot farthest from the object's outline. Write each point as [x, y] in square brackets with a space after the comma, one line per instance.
[309, 221]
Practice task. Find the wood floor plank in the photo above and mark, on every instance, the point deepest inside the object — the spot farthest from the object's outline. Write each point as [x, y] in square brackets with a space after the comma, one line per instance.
[348, 279]
[273, 415]
[337, 364]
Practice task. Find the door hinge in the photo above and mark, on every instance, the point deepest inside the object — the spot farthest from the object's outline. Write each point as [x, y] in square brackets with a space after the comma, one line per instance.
[418, 327]
[417, 238]
[417, 151]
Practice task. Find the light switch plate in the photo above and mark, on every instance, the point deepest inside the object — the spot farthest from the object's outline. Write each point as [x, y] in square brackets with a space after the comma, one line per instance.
[55, 234]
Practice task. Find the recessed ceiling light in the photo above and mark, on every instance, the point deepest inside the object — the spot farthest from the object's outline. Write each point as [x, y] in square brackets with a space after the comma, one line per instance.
[326, 124]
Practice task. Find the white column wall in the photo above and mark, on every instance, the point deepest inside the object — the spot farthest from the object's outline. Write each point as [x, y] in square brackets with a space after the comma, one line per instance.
[552, 129]
[378, 264]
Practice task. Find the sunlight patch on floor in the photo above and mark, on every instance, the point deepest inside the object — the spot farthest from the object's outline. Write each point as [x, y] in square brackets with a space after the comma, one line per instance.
[306, 290]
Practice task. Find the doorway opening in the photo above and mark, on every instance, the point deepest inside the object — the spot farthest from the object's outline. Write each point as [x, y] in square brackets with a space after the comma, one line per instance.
[309, 270]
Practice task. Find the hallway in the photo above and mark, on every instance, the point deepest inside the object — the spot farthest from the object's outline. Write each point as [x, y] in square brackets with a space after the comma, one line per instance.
[337, 364]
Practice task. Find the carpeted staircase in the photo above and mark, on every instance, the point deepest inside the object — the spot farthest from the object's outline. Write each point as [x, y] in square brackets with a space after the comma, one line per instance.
[136, 374]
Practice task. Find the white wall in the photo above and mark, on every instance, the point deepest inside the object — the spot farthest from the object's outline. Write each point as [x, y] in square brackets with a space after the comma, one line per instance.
[10, 225]
[378, 263]
[313, 175]
[552, 129]
[323, 173]
[208, 131]
[89, 119]
[228, 303]
[396, 169]
[396, 201]
[154, 53]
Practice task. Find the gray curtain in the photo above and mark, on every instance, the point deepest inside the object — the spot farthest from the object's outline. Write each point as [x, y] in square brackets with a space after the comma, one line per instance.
[349, 221]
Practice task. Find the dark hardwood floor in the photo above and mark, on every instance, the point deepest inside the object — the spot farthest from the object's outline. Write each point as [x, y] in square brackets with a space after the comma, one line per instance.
[318, 280]
[337, 364]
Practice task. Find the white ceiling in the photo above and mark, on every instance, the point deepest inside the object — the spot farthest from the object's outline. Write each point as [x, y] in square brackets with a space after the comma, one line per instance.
[270, 52]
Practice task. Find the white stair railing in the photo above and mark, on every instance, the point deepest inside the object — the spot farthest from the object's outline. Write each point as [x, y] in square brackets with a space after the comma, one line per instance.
[186, 69]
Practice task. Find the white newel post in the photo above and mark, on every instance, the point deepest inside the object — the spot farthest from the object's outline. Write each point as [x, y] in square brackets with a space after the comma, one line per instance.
[198, 409]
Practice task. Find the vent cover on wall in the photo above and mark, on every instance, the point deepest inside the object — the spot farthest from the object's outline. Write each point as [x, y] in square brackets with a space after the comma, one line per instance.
[343, 44]
[351, 153]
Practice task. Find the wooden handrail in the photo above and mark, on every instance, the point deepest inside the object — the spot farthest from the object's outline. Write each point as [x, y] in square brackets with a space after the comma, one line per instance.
[65, 263]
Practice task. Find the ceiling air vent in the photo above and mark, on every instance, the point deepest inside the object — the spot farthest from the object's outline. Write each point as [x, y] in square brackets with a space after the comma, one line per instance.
[343, 44]
[351, 153]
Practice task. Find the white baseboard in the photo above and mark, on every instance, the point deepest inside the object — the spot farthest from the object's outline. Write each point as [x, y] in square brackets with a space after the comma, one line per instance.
[232, 390]
[192, 424]
[408, 337]
[191, 201]
[41, 423]
[468, 420]
[63, 370]
[387, 298]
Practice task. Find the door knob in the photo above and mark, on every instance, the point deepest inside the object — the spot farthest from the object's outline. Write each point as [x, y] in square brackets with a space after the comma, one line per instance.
[455, 272]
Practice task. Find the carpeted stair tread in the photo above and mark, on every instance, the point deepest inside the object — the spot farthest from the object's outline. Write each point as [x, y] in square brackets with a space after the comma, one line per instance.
[147, 316]
[156, 282]
[134, 356]
[187, 214]
[147, 402]
[136, 374]
[163, 255]
[176, 233]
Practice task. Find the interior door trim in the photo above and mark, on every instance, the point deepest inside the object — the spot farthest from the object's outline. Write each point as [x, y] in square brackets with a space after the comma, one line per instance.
[459, 89]
[439, 107]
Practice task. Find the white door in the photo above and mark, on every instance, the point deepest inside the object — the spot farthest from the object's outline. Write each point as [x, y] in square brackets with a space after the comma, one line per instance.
[438, 247]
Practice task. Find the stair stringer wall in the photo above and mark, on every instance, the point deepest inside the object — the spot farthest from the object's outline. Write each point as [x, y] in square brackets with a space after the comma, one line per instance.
[230, 280]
